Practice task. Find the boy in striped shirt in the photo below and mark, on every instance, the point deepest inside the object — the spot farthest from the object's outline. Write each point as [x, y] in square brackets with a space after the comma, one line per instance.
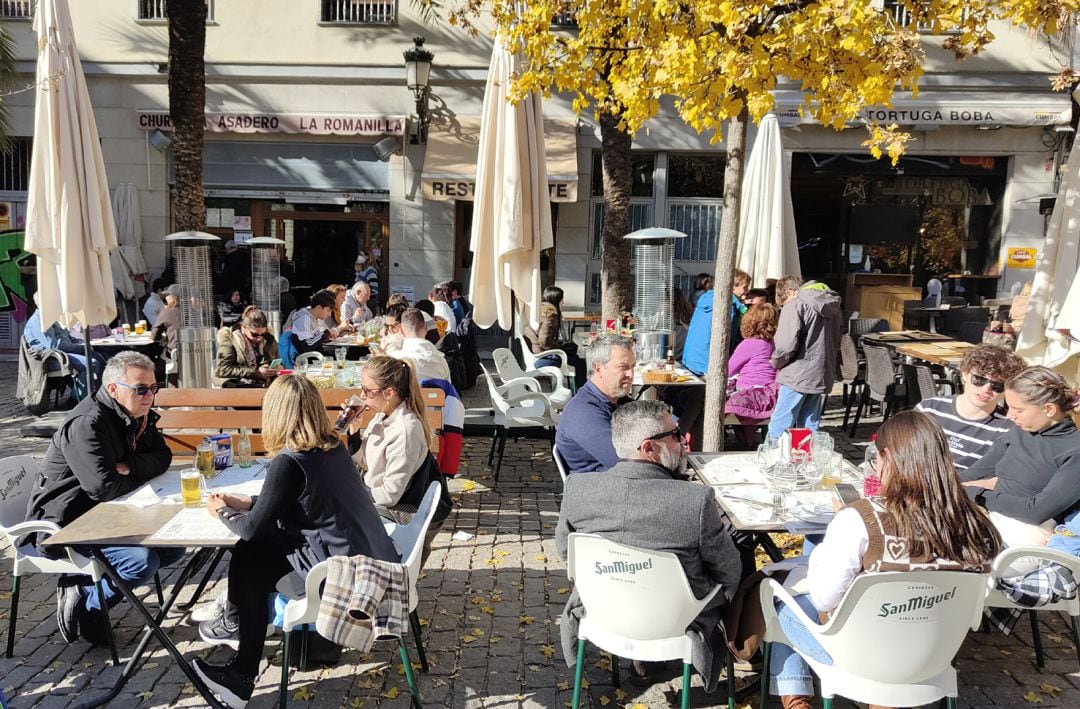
[974, 419]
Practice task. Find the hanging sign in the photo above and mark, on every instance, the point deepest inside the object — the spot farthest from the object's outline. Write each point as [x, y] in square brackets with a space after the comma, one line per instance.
[1021, 257]
[269, 122]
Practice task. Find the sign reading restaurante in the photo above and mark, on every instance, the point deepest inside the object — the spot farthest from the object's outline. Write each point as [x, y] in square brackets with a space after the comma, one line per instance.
[311, 124]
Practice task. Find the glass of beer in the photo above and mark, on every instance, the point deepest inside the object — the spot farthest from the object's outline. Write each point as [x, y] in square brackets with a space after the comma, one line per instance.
[192, 487]
[140, 327]
[441, 326]
[340, 353]
[204, 459]
[833, 465]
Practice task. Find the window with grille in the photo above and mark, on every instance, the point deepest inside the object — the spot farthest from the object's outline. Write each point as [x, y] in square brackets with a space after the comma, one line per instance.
[359, 12]
[155, 10]
[16, 9]
[15, 166]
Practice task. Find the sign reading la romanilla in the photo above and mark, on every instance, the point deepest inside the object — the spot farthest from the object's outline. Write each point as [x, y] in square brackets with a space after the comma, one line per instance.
[310, 124]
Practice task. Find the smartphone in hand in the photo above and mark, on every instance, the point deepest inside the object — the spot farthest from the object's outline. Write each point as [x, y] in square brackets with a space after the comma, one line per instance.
[847, 492]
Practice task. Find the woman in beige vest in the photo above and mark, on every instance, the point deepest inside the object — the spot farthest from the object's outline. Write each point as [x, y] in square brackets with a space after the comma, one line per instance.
[922, 518]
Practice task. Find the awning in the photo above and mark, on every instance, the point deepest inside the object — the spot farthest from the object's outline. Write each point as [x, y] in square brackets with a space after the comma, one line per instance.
[968, 108]
[450, 163]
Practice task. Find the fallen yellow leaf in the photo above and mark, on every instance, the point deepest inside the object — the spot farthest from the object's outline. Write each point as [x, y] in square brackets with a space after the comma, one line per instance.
[540, 557]
[302, 695]
[477, 600]
[548, 650]
[468, 638]
[525, 619]
[1032, 698]
[620, 695]
[501, 553]
[1005, 671]
[478, 633]
[468, 485]
[604, 700]
[563, 686]
[144, 696]
[1051, 690]
[391, 693]
[487, 609]
[356, 703]
[535, 478]
[640, 706]
[563, 590]
[366, 684]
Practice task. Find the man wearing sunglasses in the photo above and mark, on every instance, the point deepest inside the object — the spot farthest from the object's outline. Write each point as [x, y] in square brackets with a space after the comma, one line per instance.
[107, 447]
[974, 419]
[645, 501]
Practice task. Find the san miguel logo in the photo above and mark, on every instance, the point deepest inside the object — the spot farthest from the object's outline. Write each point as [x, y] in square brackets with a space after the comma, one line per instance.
[907, 609]
[622, 567]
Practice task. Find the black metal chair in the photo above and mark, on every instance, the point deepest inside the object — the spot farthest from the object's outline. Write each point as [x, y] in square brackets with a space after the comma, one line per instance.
[850, 374]
[883, 384]
[913, 318]
[920, 383]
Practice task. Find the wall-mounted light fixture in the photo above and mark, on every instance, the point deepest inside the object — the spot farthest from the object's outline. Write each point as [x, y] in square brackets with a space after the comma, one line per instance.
[417, 77]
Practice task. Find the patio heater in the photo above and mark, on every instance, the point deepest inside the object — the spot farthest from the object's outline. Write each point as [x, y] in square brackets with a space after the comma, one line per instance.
[191, 253]
[265, 280]
[653, 252]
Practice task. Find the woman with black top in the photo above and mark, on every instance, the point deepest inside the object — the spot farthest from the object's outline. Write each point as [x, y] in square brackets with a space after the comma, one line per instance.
[313, 506]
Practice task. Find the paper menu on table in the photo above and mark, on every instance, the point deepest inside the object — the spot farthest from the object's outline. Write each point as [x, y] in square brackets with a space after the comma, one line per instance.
[166, 487]
[730, 468]
[193, 525]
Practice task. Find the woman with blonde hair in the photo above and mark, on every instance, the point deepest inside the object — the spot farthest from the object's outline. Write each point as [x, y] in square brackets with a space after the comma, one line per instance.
[312, 506]
[395, 445]
[922, 521]
[1030, 478]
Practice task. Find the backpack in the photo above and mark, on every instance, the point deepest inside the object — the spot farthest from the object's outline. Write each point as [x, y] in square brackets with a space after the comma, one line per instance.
[35, 384]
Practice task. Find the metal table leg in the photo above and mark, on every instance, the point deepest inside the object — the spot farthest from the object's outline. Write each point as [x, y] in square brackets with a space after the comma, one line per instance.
[153, 628]
[767, 545]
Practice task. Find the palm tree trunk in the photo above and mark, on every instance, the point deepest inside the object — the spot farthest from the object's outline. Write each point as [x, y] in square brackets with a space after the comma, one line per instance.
[618, 182]
[716, 389]
[187, 106]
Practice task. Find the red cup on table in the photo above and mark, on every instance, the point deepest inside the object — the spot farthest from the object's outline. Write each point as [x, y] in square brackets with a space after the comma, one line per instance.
[802, 439]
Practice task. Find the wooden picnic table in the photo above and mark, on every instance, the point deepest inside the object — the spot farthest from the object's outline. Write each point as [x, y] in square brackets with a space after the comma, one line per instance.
[947, 353]
[896, 338]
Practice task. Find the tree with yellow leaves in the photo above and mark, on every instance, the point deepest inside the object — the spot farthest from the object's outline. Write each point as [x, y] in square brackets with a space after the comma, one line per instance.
[721, 60]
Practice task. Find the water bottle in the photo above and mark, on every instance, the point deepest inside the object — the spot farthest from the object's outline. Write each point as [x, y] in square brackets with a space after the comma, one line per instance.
[243, 448]
[871, 481]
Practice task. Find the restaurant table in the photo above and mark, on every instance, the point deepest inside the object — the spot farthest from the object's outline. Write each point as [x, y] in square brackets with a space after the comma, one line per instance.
[357, 350]
[743, 494]
[134, 520]
[895, 338]
[571, 322]
[647, 390]
[109, 346]
[933, 314]
[947, 354]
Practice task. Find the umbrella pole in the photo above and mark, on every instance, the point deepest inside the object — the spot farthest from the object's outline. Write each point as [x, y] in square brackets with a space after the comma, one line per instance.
[91, 388]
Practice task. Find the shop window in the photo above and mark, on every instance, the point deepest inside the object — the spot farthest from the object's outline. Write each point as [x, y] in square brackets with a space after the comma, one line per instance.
[640, 217]
[641, 169]
[155, 10]
[696, 176]
[700, 221]
[359, 12]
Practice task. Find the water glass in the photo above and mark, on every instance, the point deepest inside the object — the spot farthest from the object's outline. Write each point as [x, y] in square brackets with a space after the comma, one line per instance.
[339, 357]
[781, 479]
[811, 472]
[823, 442]
[768, 453]
[831, 465]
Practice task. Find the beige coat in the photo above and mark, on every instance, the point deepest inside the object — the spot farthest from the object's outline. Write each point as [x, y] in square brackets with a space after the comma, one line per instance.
[394, 448]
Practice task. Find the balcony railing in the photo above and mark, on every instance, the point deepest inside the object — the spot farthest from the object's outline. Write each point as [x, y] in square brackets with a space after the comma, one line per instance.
[359, 12]
[902, 17]
[155, 10]
[16, 9]
[567, 17]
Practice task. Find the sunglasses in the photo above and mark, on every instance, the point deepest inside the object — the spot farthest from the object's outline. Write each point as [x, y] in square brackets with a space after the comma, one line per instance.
[141, 389]
[978, 380]
[256, 335]
[674, 433]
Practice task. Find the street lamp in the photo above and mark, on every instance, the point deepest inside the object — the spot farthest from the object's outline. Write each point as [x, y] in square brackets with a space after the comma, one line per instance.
[417, 75]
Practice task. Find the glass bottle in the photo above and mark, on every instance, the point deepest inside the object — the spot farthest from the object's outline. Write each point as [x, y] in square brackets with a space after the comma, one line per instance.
[243, 448]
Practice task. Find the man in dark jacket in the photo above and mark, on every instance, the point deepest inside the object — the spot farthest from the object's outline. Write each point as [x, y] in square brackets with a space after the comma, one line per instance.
[645, 501]
[107, 447]
[807, 346]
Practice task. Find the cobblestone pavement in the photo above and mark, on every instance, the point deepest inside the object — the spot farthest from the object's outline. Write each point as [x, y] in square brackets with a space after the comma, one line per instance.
[490, 606]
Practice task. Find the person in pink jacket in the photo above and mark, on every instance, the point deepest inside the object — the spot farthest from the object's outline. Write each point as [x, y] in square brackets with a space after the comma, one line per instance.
[752, 387]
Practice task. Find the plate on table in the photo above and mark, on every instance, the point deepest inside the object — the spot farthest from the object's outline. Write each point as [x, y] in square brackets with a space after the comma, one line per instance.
[813, 514]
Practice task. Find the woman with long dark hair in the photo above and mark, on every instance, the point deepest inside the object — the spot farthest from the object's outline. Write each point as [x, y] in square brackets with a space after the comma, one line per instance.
[546, 336]
[922, 521]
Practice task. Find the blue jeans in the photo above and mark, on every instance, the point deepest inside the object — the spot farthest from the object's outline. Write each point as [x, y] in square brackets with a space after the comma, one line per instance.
[788, 672]
[795, 410]
[136, 565]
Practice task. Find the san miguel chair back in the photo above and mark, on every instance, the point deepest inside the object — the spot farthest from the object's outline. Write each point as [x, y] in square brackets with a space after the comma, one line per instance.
[893, 637]
[619, 586]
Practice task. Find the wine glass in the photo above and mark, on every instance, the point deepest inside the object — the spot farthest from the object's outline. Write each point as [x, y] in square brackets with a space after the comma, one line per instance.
[768, 453]
[781, 479]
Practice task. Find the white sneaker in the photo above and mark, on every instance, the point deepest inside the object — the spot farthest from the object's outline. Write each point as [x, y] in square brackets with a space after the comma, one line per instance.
[221, 631]
[212, 610]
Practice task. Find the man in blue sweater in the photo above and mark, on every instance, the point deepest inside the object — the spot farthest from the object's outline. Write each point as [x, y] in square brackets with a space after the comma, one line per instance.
[583, 435]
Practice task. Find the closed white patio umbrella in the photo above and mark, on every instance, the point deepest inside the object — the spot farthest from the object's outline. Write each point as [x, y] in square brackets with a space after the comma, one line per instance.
[511, 209]
[128, 265]
[1041, 340]
[69, 223]
[768, 248]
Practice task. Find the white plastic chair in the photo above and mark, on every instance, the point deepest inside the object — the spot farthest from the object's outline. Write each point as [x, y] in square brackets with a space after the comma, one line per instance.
[560, 463]
[409, 539]
[307, 359]
[529, 358]
[508, 368]
[17, 475]
[518, 404]
[903, 658]
[996, 599]
[641, 614]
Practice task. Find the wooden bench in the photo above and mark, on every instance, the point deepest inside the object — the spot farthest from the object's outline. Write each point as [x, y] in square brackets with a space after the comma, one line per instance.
[188, 415]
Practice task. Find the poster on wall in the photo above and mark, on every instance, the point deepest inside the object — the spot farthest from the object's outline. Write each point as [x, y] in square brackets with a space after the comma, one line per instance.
[408, 291]
[1021, 257]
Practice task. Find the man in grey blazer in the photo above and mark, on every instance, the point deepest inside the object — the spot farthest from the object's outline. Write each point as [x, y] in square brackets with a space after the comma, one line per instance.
[645, 501]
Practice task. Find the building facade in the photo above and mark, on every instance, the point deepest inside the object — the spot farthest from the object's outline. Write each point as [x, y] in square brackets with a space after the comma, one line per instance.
[300, 94]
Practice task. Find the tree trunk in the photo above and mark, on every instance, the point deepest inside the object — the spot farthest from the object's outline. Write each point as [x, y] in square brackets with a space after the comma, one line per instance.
[716, 389]
[618, 182]
[187, 106]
